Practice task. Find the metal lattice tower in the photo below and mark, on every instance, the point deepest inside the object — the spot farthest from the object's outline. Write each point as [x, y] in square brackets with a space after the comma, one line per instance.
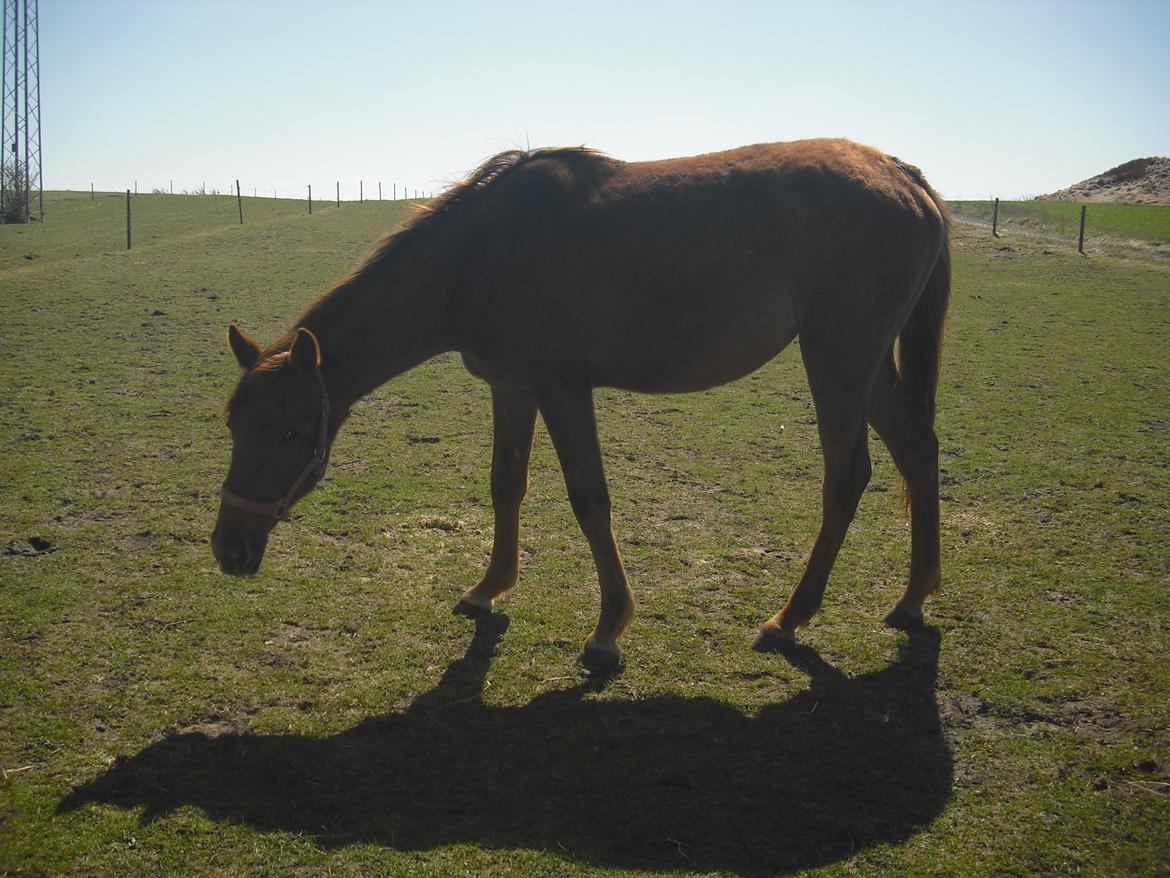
[21, 191]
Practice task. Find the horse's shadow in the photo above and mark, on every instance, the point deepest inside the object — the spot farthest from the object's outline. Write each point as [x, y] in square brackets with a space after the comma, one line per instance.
[660, 783]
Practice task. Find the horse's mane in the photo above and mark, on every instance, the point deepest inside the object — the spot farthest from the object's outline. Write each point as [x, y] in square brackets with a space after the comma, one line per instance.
[465, 192]
[481, 179]
[489, 171]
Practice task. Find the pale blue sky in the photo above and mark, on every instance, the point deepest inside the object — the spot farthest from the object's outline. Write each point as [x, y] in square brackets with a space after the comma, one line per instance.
[1005, 98]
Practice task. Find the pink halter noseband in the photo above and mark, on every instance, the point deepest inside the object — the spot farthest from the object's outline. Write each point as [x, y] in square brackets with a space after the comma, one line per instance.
[280, 509]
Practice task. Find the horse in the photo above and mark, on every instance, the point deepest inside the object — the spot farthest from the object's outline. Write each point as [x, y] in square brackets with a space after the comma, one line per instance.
[556, 271]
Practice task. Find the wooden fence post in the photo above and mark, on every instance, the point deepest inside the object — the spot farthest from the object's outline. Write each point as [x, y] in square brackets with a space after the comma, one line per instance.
[127, 219]
[361, 191]
[995, 220]
[1081, 235]
[379, 190]
[310, 199]
[339, 193]
[240, 202]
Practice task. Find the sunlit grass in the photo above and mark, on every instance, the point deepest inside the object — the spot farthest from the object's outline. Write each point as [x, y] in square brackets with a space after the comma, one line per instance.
[1050, 749]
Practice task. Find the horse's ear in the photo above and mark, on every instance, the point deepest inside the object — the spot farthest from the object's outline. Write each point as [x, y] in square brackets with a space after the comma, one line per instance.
[246, 348]
[305, 353]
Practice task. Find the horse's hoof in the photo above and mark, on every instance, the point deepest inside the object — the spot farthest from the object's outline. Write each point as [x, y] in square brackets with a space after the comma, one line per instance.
[773, 638]
[904, 619]
[473, 606]
[601, 659]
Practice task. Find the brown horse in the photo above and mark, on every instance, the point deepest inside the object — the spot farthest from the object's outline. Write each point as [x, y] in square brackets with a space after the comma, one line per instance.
[560, 270]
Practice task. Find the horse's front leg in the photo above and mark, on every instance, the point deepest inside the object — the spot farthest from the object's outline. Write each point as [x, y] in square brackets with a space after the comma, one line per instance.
[568, 414]
[514, 421]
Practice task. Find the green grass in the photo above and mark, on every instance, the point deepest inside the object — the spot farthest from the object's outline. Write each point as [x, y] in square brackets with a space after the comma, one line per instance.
[1148, 223]
[323, 717]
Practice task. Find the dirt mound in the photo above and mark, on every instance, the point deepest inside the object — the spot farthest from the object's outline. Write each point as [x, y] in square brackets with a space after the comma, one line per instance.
[1141, 181]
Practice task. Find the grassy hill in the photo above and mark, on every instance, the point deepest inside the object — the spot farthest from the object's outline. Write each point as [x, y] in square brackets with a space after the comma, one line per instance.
[329, 716]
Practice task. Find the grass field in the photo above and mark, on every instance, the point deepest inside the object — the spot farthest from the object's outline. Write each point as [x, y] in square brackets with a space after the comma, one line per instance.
[78, 224]
[330, 717]
[1145, 225]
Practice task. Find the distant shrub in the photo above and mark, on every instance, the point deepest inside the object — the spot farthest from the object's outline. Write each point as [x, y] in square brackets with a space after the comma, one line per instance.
[14, 192]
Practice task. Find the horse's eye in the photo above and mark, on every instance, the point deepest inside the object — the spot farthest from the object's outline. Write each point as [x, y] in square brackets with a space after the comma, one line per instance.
[289, 436]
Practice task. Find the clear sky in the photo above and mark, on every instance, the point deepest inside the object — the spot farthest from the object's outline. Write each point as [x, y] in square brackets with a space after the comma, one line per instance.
[1006, 98]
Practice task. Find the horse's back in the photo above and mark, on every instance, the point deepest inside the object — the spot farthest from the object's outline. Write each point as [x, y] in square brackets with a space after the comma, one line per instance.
[686, 273]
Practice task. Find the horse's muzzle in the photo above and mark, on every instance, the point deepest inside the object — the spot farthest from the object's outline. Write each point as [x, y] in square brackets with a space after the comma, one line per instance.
[237, 555]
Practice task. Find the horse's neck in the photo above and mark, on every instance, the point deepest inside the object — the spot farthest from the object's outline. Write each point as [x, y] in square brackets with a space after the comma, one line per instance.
[379, 323]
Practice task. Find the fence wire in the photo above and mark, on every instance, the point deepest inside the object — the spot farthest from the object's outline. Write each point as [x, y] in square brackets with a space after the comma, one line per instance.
[83, 224]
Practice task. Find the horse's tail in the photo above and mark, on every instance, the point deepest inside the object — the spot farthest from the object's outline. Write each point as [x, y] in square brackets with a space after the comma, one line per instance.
[921, 338]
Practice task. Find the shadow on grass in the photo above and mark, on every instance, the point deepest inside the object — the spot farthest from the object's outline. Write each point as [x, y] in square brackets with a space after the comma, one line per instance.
[660, 783]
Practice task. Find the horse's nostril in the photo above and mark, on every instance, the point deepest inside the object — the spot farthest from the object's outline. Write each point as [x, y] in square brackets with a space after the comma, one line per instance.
[238, 556]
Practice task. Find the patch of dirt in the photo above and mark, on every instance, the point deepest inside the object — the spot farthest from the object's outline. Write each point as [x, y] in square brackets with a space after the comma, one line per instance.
[211, 728]
[84, 517]
[969, 523]
[293, 634]
[1092, 719]
[443, 523]
[137, 542]
[290, 645]
[1145, 776]
[1102, 723]
[961, 710]
[1141, 181]
[29, 548]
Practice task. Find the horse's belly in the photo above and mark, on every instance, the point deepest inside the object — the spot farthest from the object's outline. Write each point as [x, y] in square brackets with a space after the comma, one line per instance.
[681, 352]
[672, 335]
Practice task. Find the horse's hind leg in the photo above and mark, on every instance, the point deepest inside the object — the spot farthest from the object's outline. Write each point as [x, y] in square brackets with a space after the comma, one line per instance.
[568, 414]
[906, 430]
[839, 393]
[514, 422]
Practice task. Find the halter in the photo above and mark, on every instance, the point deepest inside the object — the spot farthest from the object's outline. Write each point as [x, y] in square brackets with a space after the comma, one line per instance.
[279, 509]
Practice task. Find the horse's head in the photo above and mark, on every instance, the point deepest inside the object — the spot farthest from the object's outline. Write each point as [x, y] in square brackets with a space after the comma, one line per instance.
[279, 421]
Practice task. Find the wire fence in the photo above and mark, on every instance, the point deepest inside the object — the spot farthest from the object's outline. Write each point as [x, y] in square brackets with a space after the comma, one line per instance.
[336, 191]
[1145, 226]
[89, 223]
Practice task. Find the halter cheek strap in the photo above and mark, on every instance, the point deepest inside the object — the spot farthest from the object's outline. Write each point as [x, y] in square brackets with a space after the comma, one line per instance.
[279, 509]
